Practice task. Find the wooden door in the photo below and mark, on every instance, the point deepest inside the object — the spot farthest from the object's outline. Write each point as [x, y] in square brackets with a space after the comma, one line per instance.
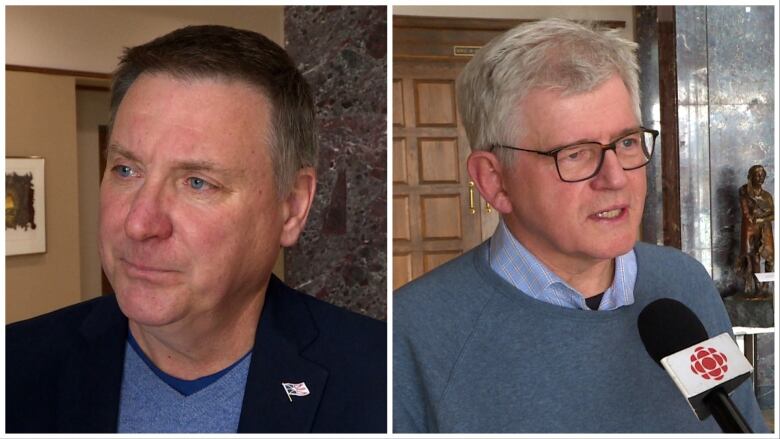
[433, 220]
[437, 213]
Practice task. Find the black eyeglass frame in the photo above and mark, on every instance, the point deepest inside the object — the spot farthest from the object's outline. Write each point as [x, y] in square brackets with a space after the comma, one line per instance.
[604, 148]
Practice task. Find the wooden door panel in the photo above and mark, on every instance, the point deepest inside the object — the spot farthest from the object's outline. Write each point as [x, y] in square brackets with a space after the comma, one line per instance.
[432, 260]
[435, 102]
[402, 269]
[431, 150]
[398, 103]
[441, 216]
[401, 220]
[400, 171]
[439, 160]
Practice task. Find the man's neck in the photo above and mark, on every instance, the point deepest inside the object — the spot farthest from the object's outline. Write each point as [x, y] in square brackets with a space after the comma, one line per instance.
[589, 280]
[589, 276]
[193, 349]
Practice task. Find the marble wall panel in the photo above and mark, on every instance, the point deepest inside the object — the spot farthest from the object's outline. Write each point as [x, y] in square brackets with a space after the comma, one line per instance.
[765, 370]
[693, 126]
[740, 51]
[341, 257]
[726, 120]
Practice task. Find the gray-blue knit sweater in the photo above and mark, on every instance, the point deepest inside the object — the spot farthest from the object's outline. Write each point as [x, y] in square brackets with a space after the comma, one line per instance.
[473, 354]
[149, 405]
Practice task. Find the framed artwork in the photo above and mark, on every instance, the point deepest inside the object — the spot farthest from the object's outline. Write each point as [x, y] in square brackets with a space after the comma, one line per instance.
[25, 206]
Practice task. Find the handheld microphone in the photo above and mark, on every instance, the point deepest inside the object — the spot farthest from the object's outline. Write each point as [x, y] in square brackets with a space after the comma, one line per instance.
[705, 369]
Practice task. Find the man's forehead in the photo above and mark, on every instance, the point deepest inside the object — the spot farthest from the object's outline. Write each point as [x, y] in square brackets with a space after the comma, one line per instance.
[208, 125]
[200, 91]
[559, 117]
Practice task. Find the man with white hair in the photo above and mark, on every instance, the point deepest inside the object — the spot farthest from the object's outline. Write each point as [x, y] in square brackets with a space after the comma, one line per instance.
[535, 330]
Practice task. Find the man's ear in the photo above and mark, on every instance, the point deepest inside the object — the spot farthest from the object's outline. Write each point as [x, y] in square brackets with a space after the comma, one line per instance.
[486, 172]
[297, 204]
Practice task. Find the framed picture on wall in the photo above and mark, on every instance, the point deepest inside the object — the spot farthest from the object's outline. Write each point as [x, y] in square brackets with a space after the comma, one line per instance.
[25, 206]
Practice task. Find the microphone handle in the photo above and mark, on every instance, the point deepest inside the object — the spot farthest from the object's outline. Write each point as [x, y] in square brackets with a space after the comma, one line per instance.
[725, 413]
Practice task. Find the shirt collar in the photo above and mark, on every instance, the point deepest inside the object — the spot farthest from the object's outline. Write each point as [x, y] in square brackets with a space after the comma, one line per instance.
[518, 266]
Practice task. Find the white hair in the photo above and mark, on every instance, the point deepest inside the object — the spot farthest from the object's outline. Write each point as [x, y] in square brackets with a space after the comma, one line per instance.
[550, 54]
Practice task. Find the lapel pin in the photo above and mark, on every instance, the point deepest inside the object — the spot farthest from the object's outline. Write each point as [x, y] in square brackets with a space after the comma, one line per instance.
[295, 389]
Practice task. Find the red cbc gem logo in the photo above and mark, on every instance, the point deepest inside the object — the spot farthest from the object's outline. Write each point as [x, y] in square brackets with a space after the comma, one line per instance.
[709, 363]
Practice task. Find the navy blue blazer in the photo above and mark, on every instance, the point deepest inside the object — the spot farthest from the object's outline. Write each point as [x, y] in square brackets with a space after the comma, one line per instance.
[64, 369]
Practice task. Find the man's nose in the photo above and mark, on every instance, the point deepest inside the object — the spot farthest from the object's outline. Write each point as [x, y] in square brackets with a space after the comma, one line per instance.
[148, 217]
[611, 175]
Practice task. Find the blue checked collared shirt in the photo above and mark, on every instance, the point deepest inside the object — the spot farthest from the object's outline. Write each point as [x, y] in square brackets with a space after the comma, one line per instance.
[519, 267]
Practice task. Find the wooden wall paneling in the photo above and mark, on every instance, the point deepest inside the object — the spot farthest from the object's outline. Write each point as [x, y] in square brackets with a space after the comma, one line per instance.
[434, 101]
[439, 160]
[400, 170]
[402, 269]
[432, 260]
[401, 218]
[441, 216]
[398, 103]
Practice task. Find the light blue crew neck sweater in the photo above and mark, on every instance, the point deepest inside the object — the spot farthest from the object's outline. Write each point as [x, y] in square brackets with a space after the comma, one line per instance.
[473, 354]
[149, 405]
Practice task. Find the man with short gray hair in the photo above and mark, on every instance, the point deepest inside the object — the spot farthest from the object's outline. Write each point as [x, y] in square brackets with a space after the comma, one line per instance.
[210, 171]
[535, 330]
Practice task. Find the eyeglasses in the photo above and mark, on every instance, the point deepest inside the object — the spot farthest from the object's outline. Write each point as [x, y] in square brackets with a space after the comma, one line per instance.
[582, 161]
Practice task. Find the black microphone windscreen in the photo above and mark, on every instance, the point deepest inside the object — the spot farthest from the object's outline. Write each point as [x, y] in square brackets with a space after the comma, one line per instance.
[666, 326]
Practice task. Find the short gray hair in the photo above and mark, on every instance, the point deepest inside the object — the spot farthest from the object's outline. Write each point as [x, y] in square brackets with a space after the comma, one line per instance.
[550, 54]
[212, 52]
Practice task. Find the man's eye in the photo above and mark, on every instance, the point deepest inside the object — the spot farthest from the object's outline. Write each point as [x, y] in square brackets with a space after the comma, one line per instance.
[123, 171]
[198, 184]
[576, 154]
[629, 142]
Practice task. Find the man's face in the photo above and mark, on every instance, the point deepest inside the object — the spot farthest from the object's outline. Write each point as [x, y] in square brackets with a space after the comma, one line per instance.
[190, 219]
[567, 223]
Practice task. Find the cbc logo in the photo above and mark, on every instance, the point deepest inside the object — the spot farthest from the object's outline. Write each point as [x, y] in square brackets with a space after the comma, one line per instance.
[709, 363]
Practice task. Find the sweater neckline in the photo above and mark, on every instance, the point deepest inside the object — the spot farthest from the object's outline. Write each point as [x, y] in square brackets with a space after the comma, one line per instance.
[482, 266]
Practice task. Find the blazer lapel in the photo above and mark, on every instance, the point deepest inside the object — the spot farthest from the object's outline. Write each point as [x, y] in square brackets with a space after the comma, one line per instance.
[285, 329]
[92, 374]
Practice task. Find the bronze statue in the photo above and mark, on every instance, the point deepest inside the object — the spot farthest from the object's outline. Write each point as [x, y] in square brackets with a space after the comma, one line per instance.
[756, 240]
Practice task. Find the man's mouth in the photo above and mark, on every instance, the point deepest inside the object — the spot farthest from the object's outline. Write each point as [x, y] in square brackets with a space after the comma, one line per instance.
[609, 214]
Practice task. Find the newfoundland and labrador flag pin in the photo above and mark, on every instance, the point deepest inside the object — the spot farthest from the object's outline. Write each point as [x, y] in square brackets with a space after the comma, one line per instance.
[295, 389]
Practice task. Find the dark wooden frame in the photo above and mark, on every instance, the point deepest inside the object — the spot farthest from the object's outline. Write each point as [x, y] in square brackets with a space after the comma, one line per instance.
[670, 150]
[473, 33]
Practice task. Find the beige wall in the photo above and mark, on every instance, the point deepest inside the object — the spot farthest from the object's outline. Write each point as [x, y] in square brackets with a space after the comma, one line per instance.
[90, 38]
[41, 120]
[622, 13]
[91, 111]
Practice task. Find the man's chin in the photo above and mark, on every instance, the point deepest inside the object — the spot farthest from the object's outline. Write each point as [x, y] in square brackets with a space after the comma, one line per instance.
[147, 308]
[613, 249]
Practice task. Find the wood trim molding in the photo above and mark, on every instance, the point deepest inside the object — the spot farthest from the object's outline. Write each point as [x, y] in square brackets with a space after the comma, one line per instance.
[457, 23]
[92, 87]
[435, 39]
[60, 72]
[434, 58]
[670, 148]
